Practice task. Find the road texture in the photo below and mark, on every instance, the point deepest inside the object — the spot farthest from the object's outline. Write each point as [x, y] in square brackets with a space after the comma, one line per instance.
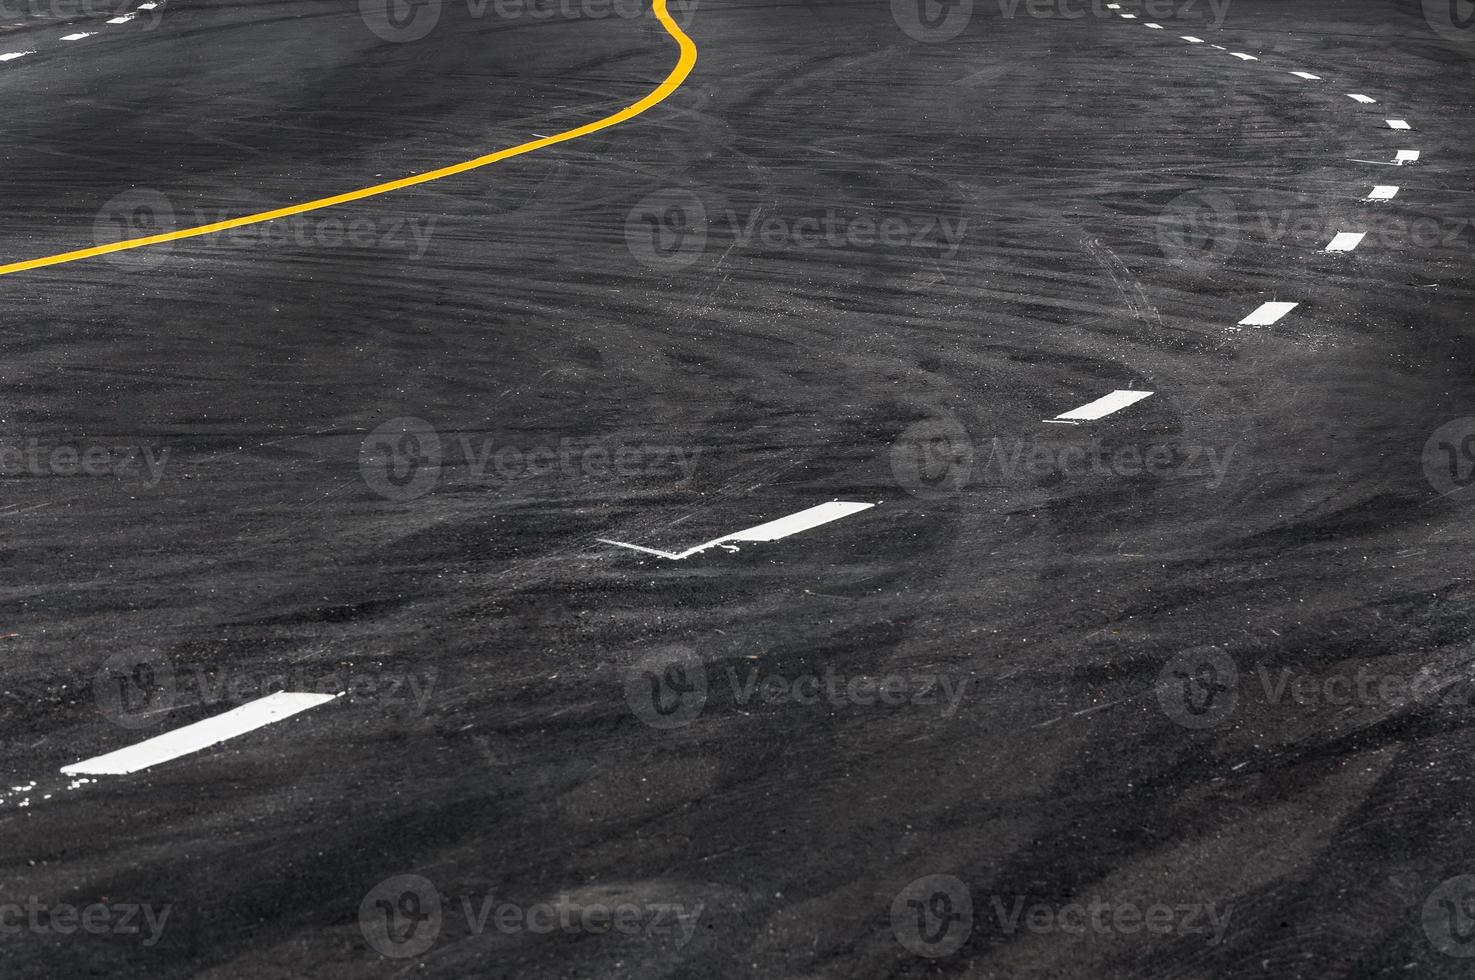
[1185, 690]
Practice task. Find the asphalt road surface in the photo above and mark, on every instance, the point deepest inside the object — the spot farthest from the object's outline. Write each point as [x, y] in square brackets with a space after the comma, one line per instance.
[1180, 687]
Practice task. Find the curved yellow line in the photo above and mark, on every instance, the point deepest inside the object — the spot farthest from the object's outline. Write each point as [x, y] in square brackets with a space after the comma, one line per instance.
[684, 65]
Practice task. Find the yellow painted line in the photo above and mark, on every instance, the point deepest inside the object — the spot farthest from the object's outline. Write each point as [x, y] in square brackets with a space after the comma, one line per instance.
[672, 82]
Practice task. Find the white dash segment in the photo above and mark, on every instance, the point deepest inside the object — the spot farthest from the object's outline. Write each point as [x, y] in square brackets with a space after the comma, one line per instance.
[1156, 27]
[1398, 124]
[122, 20]
[148, 6]
[1113, 6]
[78, 37]
[1267, 314]
[1129, 16]
[1101, 407]
[804, 520]
[12, 55]
[1307, 75]
[201, 735]
[1191, 39]
[1218, 47]
[1406, 156]
[1361, 98]
[1244, 57]
[1382, 192]
[1345, 241]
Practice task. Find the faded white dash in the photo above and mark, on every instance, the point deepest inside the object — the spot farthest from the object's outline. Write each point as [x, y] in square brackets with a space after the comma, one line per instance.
[1398, 124]
[1382, 192]
[12, 55]
[771, 531]
[1244, 57]
[200, 735]
[1406, 156]
[1345, 241]
[1360, 98]
[78, 37]
[1101, 407]
[1218, 47]
[1307, 75]
[1267, 314]
[1192, 40]
[122, 20]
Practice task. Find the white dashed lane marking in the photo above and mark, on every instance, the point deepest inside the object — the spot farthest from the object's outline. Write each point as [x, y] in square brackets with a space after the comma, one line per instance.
[1398, 124]
[1361, 98]
[1193, 40]
[12, 55]
[122, 20]
[1382, 192]
[200, 735]
[1244, 57]
[1267, 313]
[1345, 241]
[1406, 156]
[78, 37]
[1307, 75]
[1101, 407]
[1156, 27]
[770, 531]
